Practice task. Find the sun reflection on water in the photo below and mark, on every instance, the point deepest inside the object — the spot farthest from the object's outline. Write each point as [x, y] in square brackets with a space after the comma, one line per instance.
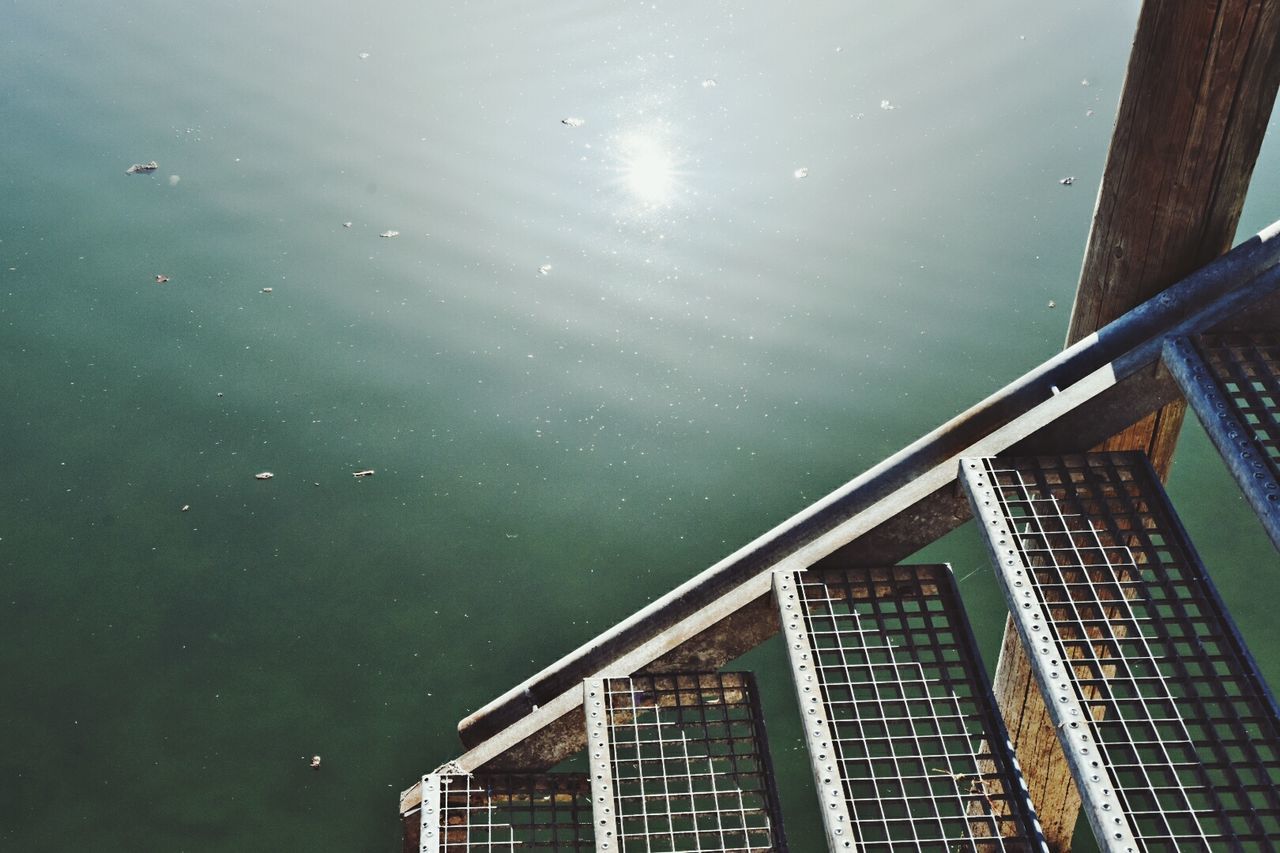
[648, 166]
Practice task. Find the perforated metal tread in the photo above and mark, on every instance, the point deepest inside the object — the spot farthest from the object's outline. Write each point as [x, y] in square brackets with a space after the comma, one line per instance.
[908, 749]
[546, 811]
[1232, 383]
[1169, 731]
[680, 762]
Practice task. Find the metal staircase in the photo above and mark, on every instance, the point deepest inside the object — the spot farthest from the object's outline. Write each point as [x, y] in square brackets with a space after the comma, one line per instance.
[1170, 733]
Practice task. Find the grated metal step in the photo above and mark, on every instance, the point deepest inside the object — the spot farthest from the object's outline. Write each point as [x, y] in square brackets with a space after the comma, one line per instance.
[1232, 383]
[545, 811]
[680, 762]
[908, 749]
[1170, 733]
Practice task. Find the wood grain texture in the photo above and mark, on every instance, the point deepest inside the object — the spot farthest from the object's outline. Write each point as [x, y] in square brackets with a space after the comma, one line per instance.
[1030, 728]
[1197, 97]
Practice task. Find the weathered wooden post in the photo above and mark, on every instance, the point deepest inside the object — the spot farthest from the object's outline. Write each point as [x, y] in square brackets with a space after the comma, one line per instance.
[1197, 97]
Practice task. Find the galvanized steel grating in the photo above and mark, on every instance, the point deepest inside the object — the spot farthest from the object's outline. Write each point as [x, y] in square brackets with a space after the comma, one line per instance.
[680, 761]
[545, 811]
[1232, 383]
[909, 751]
[1170, 732]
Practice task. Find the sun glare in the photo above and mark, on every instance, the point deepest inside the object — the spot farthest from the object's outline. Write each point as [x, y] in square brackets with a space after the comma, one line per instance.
[648, 169]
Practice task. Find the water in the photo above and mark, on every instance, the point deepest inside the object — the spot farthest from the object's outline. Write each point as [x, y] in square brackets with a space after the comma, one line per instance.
[597, 358]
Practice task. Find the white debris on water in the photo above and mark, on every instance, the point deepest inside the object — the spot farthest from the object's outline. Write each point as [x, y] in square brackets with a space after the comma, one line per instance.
[364, 54]
[142, 168]
[885, 105]
[367, 472]
[572, 121]
[389, 234]
[545, 269]
[1067, 181]
[267, 290]
[186, 507]
[709, 83]
[1085, 82]
[802, 172]
[263, 475]
[1053, 304]
[161, 279]
[346, 225]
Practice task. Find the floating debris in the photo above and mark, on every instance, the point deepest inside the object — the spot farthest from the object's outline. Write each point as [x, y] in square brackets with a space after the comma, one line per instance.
[1053, 304]
[573, 122]
[1085, 82]
[219, 393]
[1067, 181]
[346, 225]
[364, 54]
[802, 172]
[142, 168]
[367, 472]
[161, 279]
[709, 83]
[263, 475]
[186, 507]
[267, 289]
[315, 759]
[545, 269]
[885, 105]
[389, 234]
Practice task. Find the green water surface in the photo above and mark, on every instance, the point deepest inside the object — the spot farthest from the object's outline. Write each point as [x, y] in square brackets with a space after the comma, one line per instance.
[595, 359]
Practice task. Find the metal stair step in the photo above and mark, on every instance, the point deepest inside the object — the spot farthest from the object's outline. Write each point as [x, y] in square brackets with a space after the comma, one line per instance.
[908, 749]
[680, 761]
[1169, 731]
[535, 811]
[1232, 383]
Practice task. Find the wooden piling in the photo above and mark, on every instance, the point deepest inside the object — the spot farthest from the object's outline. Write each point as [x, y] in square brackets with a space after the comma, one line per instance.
[1197, 97]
